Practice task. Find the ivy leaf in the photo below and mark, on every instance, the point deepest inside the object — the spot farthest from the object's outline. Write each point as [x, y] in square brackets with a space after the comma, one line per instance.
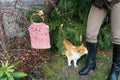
[10, 78]
[6, 63]
[2, 68]
[3, 79]
[3, 65]
[1, 74]
[8, 74]
[18, 74]
[15, 64]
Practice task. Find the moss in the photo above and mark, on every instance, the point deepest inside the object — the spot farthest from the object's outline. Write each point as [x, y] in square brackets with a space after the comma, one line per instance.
[57, 69]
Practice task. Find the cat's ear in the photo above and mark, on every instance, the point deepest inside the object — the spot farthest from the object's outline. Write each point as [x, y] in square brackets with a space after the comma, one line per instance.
[81, 49]
[64, 40]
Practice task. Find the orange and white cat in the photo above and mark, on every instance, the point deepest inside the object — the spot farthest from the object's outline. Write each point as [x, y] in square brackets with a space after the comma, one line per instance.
[73, 52]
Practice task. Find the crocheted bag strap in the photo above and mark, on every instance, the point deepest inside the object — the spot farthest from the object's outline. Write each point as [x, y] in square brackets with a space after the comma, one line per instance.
[31, 18]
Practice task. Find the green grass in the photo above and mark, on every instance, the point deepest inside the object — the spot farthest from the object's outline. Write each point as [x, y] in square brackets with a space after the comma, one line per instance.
[57, 69]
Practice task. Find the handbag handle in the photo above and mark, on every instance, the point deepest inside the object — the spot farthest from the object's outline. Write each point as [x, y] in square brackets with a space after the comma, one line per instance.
[31, 18]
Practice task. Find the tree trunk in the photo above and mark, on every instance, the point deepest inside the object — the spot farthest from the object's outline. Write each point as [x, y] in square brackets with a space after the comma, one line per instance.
[3, 41]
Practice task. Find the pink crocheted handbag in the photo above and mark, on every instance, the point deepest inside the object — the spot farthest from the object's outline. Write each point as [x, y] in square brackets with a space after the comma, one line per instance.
[39, 34]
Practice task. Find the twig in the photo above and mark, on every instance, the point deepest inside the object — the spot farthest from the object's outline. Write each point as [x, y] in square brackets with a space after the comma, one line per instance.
[15, 3]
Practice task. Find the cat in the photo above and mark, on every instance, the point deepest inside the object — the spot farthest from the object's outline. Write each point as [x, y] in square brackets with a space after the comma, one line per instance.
[73, 52]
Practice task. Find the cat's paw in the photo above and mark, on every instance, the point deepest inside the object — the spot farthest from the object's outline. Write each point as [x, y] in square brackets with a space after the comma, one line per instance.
[69, 65]
[75, 65]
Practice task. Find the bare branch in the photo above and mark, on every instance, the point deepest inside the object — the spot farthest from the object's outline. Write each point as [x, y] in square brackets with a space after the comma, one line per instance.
[15, 3]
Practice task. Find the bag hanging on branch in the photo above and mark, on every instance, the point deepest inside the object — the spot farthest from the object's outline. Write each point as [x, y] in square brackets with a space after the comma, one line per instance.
[39, 34]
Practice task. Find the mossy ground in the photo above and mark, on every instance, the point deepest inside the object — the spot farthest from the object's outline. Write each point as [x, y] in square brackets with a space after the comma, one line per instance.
[57, 69]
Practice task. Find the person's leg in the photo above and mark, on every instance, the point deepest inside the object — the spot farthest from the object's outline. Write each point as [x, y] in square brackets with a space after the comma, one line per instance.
[95, 19]
[115, 27]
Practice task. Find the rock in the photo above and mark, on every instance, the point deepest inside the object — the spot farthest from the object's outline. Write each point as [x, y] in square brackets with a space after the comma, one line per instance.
[9, 15]
[11, 28]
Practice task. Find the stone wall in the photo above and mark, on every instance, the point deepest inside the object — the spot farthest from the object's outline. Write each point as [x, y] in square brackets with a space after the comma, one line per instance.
[26, 4]
[9, 15]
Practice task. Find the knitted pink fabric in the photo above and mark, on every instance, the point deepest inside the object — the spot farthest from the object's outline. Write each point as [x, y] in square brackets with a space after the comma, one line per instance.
[39, 35]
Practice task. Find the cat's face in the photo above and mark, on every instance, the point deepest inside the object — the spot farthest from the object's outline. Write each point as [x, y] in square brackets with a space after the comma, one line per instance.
[81, 49]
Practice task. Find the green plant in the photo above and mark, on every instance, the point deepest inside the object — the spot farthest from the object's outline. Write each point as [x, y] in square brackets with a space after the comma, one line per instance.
[74, 17]
[7, 72]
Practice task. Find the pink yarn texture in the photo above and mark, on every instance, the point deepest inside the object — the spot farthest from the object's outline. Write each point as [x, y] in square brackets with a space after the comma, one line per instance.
[39, 35]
